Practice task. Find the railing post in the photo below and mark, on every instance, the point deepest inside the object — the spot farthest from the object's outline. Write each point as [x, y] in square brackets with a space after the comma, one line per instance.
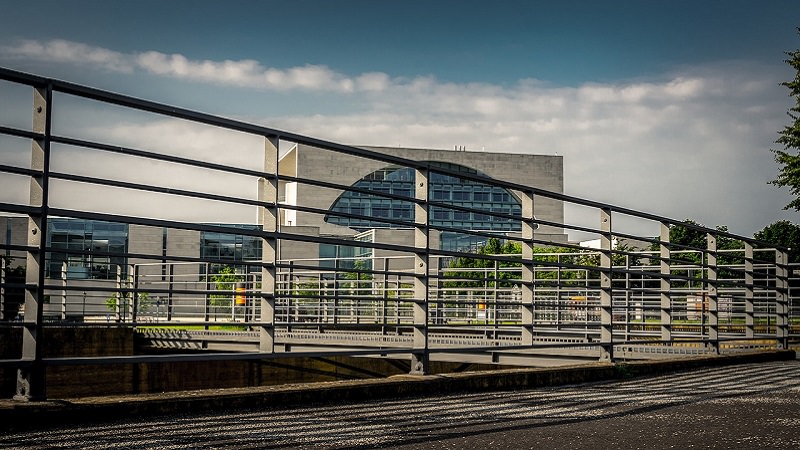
[135, 294]
[291, 316]
[749, 306]
[336, 295]
[63, 291]
[495, 297]
[268, 218]
[666, 285]
[782, 300]
[31, 376]
[385, 281]
[627, 314]
[528, 227]
[419, 354]
[207, 299]
[559, 308]
[3, 288]
[119, 308]
[712, 274]
[606, 292]
[171, 287]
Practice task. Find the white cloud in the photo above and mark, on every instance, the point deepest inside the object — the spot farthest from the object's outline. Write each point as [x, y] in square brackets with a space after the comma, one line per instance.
[243, 73]
[69, 52]
[691, 144]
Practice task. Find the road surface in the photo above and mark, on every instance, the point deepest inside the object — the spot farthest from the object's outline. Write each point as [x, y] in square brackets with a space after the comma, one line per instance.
[740, 406]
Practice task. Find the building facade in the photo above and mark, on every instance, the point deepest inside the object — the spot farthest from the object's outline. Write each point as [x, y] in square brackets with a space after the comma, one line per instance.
[88, 245]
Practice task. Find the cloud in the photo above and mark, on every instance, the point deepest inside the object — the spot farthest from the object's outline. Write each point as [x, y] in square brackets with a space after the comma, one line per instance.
[69, 52]
[693, 143]
[243, 73]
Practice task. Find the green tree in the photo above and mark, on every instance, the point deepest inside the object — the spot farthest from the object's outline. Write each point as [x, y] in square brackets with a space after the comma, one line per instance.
[788, 159]
[142, 305]
[474, 278]
[783, 233]
[689, 236]
[224, 280]
[542, 255]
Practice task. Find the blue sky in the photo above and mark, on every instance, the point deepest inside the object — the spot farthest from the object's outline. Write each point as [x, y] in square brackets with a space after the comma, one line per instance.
[665, 106]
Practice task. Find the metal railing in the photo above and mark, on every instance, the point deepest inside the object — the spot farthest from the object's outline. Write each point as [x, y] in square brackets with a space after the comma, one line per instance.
[437, 300]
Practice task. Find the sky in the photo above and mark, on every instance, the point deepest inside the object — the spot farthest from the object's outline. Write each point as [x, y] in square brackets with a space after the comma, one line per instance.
[669, 107]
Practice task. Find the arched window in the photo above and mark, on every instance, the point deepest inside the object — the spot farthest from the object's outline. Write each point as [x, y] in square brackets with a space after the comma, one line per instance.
[446, 189]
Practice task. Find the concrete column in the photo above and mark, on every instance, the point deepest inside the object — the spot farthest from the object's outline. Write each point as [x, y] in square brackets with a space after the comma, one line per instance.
[712, 274]
[528, 229]
[31, 377]
[420, 357]
[749, 307]
[268, 219]
[666, 285]
[606, 293]
[782, 299]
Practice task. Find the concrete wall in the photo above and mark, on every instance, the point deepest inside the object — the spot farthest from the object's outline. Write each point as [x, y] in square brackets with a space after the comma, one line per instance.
[146, 240]
[398, 260]
[540, 171]
[73, 381]
[81, 381]
[184, 243]
[293, 250]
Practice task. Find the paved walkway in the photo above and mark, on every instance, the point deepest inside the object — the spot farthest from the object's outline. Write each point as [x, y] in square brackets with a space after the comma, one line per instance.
[737, 406]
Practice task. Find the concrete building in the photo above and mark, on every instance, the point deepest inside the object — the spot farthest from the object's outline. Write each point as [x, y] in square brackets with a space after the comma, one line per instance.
[305, 162]
[364, 221]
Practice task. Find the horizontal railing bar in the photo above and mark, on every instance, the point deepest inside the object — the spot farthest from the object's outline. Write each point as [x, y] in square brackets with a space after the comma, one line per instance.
[18, 132]
[157, 189]
[349, 188]
[149, 106]
[19, 170]
[19, 209]
[161, 157]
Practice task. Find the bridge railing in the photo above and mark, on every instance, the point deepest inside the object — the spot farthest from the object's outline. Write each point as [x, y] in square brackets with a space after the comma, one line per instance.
[146, 180]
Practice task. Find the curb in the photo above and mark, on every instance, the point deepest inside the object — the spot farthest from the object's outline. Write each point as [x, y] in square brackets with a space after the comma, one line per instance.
[31, 415]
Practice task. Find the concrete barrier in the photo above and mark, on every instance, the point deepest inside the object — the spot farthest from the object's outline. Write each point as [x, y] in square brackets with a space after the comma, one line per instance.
[22, 415]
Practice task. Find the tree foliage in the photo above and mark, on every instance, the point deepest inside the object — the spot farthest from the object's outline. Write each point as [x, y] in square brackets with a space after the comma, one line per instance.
[465, 276]
[783, 233]
[584, 263]
[224, 280]
[788, 159]
[692, 235]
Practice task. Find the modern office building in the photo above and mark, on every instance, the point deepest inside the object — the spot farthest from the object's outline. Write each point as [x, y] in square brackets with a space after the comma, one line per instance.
[92, 241]
[541, 171]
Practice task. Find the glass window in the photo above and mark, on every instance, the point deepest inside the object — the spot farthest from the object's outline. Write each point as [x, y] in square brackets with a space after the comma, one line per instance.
[95, 240]
[444, 188]
[442, 214]
[480, 196]
[441, 194]
[460, 215]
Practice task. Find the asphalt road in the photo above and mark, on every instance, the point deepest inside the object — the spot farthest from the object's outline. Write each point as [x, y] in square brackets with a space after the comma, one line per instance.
[752, 406]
